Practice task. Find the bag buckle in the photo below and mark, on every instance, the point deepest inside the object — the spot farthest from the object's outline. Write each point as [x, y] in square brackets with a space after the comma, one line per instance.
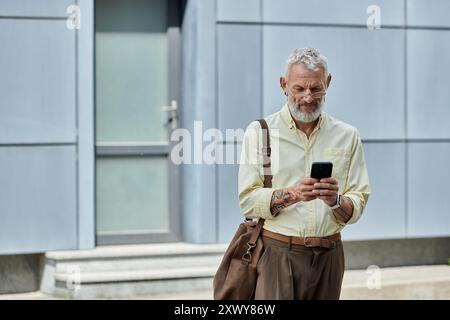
[267, 151]
[248, 256]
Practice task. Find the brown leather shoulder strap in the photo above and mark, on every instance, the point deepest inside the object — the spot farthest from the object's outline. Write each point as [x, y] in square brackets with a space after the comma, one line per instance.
[266, 151]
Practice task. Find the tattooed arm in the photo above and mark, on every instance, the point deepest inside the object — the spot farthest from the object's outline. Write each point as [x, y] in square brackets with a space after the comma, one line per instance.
[345, 212]
[282, 198]
[327, 190]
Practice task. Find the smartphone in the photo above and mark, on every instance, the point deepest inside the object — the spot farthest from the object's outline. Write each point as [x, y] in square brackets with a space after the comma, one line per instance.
[320, 170]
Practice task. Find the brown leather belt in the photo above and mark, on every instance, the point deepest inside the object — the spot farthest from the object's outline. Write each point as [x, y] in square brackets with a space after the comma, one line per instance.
[324, 242]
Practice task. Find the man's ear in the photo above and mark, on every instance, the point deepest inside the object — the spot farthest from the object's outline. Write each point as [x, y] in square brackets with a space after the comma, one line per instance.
[283, 84]
[328, 80]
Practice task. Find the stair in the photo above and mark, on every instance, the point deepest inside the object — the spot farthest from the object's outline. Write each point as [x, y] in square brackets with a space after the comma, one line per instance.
[130, 270]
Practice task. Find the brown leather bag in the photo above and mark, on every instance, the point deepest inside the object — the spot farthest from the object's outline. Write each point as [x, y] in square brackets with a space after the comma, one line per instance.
[236, 276]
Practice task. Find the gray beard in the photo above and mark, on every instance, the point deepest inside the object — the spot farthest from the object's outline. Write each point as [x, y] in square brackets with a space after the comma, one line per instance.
[303, 116]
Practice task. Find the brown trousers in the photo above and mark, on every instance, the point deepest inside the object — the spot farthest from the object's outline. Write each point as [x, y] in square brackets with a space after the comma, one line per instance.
[288, 272]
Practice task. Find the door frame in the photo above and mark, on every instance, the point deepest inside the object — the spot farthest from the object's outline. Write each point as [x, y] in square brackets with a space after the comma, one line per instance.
[175, 11]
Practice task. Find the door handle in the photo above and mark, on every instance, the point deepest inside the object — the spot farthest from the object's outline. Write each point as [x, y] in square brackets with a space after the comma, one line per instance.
[173, 114]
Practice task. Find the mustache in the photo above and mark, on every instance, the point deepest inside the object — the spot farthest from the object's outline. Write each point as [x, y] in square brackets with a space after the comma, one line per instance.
[306, 105]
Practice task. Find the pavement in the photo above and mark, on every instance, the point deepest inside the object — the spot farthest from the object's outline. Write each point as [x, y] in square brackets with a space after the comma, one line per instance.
[411, 282]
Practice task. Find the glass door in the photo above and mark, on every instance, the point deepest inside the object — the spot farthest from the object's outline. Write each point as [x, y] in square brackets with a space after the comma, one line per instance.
[137, 74]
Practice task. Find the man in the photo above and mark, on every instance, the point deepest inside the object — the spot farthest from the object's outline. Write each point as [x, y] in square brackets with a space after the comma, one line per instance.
[303, 256]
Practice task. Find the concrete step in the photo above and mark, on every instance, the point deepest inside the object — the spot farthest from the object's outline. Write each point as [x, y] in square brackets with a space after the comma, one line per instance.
[142, 263]
[121, 271]
[140, 275]
[138, 257]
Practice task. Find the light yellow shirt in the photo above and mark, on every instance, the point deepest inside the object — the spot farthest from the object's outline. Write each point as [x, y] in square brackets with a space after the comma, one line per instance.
[291, 160]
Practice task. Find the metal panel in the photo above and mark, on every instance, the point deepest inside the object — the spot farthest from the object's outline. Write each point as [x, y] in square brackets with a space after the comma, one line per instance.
[239, 75]
[40, 8]
[428, 14]
[37, 60]
[238, 10]
[38, 200]
[199, 103]
[228, 202]
[428, 94]
[331, 11]
[359, 93]
[385, 213]
[428, 176]
[86, 156]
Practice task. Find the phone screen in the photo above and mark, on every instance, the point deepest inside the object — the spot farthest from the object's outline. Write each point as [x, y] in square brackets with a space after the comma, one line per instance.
[320, 170]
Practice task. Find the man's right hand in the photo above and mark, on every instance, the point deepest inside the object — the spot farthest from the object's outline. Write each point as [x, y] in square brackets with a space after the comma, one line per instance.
[303, 190]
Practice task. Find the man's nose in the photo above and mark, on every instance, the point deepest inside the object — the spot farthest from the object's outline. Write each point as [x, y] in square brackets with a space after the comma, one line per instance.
[308, 98]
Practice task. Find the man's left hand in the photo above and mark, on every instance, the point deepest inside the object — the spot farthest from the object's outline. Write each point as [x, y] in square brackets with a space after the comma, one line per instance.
[326, 190]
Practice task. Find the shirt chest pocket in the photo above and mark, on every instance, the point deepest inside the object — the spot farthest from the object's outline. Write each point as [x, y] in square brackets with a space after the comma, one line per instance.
[340, 158]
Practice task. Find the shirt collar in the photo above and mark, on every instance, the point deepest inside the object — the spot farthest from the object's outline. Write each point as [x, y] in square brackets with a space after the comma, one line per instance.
[287, 118]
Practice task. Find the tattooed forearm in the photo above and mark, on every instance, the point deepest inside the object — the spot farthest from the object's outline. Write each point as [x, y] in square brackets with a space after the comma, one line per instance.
[345, 212]
[281, 199]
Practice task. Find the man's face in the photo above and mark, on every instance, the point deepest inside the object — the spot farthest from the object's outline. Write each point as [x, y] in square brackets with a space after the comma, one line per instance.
[305, 89]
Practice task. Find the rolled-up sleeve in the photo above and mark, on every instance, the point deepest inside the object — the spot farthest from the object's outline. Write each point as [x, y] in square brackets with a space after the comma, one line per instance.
[254, 199]
[357, 188]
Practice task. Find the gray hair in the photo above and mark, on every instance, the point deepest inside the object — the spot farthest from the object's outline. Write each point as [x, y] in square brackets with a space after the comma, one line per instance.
[311, 58]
